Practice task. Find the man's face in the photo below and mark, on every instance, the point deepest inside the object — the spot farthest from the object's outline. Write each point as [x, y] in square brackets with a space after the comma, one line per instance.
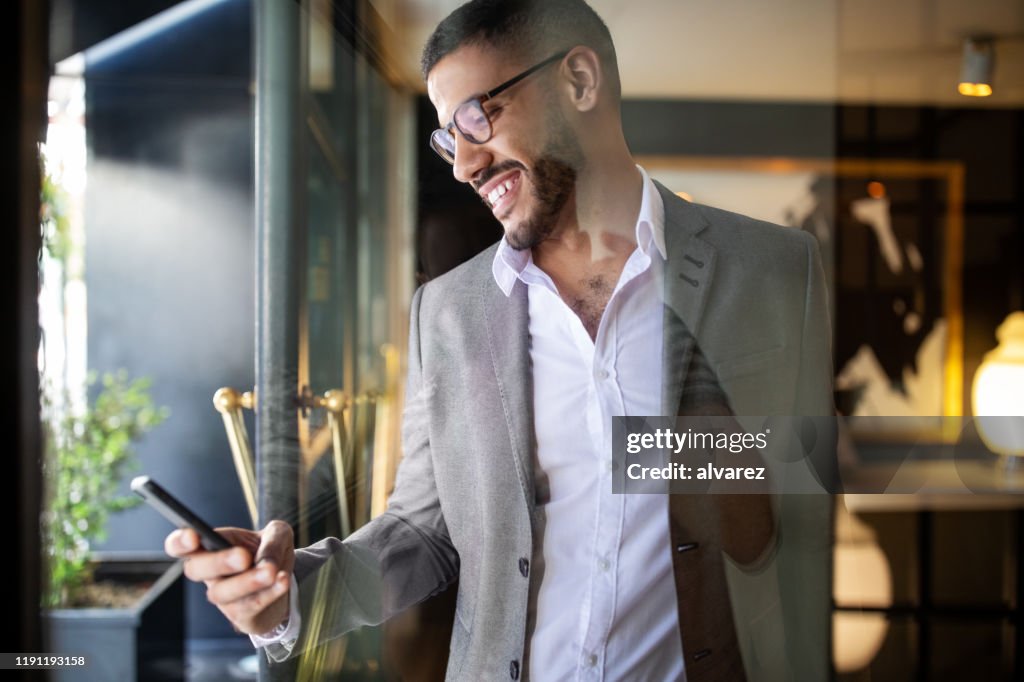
[533, 156]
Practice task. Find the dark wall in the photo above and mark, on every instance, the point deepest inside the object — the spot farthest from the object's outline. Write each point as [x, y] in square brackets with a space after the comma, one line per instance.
[170, 257]
[729, 128]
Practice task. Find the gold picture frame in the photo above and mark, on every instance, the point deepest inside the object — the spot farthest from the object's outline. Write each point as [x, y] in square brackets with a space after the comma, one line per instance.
[750, 185]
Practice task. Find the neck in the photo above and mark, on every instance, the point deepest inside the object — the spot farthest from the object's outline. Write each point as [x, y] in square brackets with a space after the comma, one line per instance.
[597, 228]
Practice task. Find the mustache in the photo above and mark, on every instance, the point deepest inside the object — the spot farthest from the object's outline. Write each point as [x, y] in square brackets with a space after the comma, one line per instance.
[490, 173]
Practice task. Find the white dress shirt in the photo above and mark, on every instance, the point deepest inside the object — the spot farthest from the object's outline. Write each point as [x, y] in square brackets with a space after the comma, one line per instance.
[605, 606]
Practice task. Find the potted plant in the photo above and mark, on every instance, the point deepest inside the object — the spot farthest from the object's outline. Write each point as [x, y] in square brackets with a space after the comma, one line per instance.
[124, 615]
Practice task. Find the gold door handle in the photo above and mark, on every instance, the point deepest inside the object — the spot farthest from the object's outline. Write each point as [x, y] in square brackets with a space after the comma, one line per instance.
[230, 403]
[350, 437]
[350, 440]
[360, 457]
[385, 432]
[334, 403]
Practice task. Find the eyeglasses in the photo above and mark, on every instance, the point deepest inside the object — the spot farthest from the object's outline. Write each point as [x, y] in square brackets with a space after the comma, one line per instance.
[470, 118]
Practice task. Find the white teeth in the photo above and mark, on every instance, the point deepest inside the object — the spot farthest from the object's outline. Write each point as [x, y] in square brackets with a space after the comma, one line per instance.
[499, 191]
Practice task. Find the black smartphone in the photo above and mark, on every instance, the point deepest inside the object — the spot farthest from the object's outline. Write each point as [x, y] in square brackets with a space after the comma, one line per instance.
[177, 513]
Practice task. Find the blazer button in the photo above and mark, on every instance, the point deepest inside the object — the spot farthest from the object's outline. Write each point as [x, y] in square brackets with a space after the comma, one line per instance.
[513, 670]
[524, 566]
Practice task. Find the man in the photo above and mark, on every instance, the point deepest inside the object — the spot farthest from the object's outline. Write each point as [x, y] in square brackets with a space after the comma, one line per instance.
[607, 296]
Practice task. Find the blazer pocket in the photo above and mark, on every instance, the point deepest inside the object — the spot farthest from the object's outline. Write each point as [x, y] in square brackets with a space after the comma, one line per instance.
[750, 363]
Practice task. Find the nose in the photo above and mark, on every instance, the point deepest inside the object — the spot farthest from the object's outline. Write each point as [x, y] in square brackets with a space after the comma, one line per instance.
[470, 159]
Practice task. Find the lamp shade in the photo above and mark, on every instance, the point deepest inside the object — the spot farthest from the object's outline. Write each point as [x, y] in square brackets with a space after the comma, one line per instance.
[976, 67]
[998, 391]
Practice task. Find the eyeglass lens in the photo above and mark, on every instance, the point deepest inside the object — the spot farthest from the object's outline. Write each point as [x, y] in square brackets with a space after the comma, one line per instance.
[443, 143]
[472, 122]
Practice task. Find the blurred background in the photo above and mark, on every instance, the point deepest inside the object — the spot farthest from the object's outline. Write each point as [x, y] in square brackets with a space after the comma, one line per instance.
[239, 201]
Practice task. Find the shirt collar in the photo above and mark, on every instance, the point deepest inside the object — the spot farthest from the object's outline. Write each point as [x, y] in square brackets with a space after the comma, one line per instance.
[650, 224]
[509, 264]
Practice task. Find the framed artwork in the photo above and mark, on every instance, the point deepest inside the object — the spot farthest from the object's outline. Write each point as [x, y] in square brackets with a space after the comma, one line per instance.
[891, 238]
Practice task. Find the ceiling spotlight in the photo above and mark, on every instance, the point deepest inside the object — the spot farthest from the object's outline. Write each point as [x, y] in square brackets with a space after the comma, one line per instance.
[976, 67]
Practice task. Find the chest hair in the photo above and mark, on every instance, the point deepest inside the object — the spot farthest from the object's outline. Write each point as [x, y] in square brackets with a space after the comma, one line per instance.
[588, 297]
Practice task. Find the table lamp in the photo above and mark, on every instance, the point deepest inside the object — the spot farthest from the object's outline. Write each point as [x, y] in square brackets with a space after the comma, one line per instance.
[997, 395]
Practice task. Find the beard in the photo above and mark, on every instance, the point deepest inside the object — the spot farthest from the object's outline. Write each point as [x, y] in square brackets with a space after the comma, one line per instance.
[552, 181]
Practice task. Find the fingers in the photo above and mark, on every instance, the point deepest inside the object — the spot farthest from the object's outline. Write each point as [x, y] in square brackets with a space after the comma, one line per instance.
[255, 612]
[256, 601]
[248, 584]
[201, 565]
[204, 566]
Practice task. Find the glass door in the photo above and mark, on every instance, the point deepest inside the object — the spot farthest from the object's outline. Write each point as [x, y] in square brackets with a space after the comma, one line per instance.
[334, 277]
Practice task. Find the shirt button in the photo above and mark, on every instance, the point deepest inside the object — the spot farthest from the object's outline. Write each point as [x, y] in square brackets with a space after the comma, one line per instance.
[513, 670]
[592, 660]
[602, 374]
[524, 566]
[604, 564]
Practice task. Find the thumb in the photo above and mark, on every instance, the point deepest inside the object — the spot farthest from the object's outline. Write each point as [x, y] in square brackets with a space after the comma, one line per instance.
[277, 544]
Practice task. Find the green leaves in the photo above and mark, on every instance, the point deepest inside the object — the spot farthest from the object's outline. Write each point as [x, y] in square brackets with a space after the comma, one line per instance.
[53, 218]
[88, 454]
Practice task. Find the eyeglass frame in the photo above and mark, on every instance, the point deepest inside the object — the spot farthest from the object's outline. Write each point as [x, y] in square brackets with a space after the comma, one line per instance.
[479, 100]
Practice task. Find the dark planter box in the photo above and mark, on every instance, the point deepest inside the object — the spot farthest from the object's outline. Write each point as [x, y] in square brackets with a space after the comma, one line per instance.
[145, 642]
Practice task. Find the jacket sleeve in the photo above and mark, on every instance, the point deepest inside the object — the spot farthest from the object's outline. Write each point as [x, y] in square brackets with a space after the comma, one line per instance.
[398, 559]
[815, 400]
[805, 554]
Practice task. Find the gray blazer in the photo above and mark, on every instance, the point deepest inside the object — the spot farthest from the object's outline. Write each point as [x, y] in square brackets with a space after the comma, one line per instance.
[745, 300]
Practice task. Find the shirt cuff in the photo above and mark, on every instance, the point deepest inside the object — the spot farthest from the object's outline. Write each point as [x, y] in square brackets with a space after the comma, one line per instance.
[287, 633]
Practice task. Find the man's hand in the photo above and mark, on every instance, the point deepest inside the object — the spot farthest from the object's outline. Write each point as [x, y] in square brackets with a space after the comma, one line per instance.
[249, 582]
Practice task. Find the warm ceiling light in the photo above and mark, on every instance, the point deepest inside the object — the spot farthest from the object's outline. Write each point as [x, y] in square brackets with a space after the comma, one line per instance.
[976, 67]
[975, 89]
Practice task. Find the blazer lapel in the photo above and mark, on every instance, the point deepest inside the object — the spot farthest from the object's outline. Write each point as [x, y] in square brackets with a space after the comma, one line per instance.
[508, 338]
[689, 269]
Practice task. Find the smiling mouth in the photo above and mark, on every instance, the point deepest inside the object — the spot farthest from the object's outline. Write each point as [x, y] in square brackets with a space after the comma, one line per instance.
[503, 193]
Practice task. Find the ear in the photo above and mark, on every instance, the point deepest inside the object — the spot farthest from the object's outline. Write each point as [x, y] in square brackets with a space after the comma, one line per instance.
[582, 68]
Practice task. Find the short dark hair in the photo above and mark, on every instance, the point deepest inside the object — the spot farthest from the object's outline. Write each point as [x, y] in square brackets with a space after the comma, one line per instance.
[531, 29]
